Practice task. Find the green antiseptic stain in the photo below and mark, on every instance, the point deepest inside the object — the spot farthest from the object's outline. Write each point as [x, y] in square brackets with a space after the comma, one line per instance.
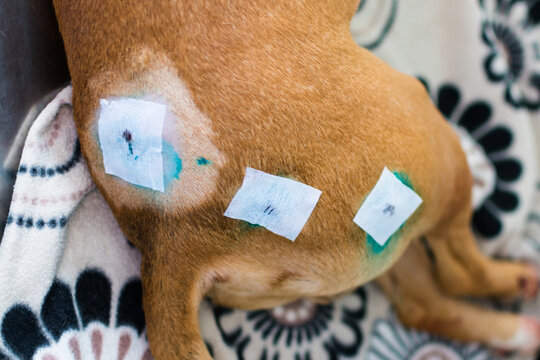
[202, 161]
[172, 164]
[374, 246]
[247, 226]
[404, 178]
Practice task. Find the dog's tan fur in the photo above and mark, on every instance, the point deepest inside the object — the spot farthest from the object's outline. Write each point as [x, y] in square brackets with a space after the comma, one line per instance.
[279, 86]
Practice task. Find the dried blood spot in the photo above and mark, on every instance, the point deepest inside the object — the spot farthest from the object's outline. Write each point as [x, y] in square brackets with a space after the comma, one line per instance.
[127, 135]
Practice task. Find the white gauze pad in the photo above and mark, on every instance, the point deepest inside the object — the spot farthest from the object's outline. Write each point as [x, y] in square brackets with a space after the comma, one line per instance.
[387, 207]
[130, 139]
[281, 205]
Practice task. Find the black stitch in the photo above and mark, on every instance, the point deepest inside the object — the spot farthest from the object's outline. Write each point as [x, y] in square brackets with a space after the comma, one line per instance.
[33, 171]
[42, 172]
[265, 210]
[389, 209]
[29, 223]
[63, 222]
[40, 223]
[9, 220]
[22, 169]
[20, 221]
[50, 172]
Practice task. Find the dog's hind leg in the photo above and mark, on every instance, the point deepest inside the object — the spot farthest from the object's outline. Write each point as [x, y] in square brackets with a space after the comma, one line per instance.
[462, 269]
[421, 303]
[171, 301]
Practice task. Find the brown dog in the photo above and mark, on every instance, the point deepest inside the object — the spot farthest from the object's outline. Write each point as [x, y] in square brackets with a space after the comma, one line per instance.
[280, 86]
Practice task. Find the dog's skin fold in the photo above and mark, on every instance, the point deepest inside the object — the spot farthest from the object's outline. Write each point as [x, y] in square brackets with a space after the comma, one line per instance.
[280, 86]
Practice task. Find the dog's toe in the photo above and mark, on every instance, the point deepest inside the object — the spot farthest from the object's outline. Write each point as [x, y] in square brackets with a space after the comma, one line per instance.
[526, 339]
[529, 282]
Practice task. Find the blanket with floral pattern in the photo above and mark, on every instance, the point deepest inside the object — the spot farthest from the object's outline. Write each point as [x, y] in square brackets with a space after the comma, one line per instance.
[69, 280]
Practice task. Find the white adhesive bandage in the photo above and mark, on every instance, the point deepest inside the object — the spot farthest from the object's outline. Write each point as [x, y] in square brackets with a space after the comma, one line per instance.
[281, 205]
[130, 137]
[387, 207]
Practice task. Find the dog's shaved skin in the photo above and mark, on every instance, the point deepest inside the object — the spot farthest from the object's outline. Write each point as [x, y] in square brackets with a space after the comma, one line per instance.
[279, 86]
[187, 133]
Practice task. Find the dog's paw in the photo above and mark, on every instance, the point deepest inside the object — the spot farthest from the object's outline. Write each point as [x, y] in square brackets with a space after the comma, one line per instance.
[526, 339]
[529, 282]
